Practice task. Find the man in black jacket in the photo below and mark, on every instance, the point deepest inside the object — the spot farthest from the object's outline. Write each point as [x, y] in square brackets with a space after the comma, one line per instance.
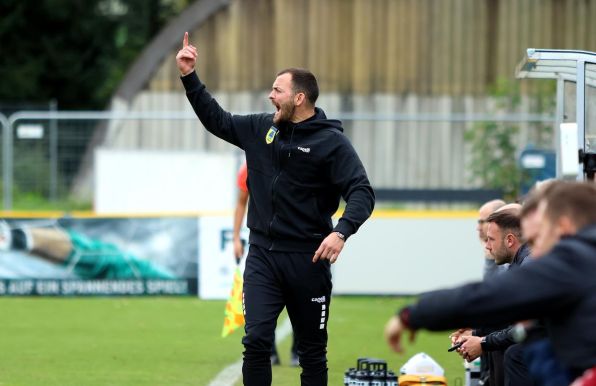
[559, 287]
[299, 166]
[505, 244]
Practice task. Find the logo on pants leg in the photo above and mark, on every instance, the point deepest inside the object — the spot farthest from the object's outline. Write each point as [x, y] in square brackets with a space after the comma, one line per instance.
[321, 301]
[323, 314]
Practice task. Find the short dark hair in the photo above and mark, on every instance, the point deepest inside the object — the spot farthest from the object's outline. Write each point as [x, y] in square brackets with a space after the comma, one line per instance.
[303, 81]
[533, 198]
[508, 220]
[576, 200]
[530, 204]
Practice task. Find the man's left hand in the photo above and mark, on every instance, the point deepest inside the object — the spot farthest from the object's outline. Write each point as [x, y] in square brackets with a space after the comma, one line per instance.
[329, 249]
[471, 349]
[394, 330]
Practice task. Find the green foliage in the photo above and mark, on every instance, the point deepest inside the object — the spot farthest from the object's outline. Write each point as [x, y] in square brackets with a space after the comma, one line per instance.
[493, 158]
[74, 51]
[494, 145]
[35, 202]
[31, 181]
[493, 148]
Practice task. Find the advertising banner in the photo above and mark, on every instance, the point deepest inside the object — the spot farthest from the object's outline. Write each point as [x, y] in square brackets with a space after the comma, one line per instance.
[99, 256]
[216, 257]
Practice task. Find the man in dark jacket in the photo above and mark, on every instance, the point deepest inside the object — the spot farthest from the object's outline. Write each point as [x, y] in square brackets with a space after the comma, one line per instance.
[299, 166]
[559, 287]
[505, 244]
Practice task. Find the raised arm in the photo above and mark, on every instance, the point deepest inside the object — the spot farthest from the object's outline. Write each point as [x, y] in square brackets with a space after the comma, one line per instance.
[235, 129]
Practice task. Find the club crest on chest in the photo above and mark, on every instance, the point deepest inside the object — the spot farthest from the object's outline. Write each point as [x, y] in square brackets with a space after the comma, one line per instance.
[271, 134]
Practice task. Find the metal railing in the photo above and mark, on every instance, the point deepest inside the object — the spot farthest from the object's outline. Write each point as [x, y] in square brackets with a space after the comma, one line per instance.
[6, 159]
[384, 142]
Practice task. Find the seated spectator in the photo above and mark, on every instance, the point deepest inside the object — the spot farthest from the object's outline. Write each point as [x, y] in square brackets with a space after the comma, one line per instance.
[505, 245]
[558, 287]
[490, 268]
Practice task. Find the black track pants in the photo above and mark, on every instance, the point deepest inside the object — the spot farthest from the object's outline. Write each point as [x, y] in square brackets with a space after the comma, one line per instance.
[273, 280]
[516, 370]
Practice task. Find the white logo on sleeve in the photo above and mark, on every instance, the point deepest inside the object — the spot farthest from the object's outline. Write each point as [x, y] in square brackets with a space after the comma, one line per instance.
[318, 300]
[304, 149]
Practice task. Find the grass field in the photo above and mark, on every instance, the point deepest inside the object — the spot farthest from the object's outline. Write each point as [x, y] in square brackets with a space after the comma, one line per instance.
[175, 341]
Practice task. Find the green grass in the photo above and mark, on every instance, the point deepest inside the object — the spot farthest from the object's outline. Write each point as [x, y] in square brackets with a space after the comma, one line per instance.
[356, 330]
[29, 201]
[174, 341]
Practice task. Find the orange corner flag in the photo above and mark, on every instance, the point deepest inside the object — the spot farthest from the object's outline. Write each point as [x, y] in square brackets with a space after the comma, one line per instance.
[234, 315]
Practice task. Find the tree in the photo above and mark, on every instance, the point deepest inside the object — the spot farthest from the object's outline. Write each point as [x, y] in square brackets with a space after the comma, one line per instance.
[494, 147]
[74, 51]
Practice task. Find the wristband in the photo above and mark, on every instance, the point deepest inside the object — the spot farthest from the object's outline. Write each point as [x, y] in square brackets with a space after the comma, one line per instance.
[483, 344]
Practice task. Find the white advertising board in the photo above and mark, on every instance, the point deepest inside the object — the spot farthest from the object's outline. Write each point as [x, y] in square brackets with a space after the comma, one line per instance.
[216, 257]
[146, 181]
[394, 255]
[409, 256]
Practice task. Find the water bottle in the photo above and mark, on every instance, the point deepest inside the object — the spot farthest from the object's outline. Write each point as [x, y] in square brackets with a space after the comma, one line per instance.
[354, 380]
[472, 372]
[391, 379]
[378, 378]
[348, 376]
[370, 372]
[362, 378]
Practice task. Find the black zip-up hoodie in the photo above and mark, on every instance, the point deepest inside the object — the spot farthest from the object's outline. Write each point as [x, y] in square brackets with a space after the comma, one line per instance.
[297, 173]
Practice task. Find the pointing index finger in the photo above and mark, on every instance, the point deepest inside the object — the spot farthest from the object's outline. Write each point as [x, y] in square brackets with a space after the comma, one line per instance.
[185, 40]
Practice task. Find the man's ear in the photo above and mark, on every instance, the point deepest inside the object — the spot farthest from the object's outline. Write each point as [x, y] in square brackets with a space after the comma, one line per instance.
[299, 98]
[510, 240]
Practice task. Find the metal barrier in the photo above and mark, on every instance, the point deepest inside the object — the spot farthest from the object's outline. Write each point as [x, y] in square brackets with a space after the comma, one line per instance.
[6, 158]
[50, 162]
[416, 151]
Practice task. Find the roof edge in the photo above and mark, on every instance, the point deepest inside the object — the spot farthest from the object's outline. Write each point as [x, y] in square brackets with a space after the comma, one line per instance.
[147, 63]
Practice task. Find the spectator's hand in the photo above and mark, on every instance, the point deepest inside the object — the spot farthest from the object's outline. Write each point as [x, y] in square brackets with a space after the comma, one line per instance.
[238, 248]
[329, 248]
[471, 349]
[186, 57]
[393, 332]
[457, 335]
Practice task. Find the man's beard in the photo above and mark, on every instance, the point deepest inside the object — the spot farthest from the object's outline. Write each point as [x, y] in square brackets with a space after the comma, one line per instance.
[502, 256]
[285, 113]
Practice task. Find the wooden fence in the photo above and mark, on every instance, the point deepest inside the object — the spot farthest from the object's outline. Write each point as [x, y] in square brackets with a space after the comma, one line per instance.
[422, 47]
